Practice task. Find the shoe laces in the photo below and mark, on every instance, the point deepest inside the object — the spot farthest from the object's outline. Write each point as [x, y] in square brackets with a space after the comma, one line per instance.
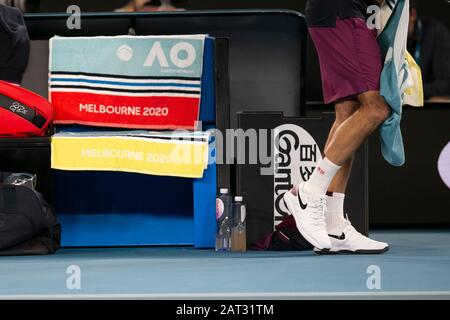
[347, 221]
[318, 209]
[352, 229]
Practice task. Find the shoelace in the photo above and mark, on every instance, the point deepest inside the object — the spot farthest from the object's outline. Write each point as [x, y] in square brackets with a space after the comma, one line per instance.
[352, 229]
[318, 209]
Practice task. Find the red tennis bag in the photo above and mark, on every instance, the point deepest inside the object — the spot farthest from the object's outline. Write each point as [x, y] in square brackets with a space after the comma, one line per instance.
[22, 112]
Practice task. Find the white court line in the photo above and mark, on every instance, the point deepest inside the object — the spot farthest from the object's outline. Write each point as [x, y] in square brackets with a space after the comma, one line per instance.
[216, 295]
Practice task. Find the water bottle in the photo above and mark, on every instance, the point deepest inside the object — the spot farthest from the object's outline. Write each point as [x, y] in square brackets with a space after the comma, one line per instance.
[238, 230]
[224, 207]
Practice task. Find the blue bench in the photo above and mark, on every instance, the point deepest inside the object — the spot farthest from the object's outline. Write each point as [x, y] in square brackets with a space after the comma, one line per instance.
[124, 209]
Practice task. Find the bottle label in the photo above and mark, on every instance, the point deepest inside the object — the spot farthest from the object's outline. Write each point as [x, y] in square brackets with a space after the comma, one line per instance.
[220, 208]
[243, 214]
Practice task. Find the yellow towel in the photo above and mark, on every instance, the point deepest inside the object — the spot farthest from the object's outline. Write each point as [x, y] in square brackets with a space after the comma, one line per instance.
[164, 157]
[413, 95]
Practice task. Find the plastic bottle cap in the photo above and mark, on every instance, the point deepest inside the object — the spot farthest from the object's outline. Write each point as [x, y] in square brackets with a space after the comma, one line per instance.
[238, 198]
[223, 191]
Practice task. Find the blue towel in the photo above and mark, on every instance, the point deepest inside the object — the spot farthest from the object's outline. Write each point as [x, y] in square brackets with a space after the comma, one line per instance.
[392, 42]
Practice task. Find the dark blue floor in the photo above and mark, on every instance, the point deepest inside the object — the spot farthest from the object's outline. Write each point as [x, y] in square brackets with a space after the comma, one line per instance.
[417, 266]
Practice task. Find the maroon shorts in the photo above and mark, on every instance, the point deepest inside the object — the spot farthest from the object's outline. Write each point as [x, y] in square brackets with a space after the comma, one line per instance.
[350, 59]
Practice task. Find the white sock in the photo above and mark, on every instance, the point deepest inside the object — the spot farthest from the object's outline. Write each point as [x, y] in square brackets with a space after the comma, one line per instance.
[320, 179]
[334, 217]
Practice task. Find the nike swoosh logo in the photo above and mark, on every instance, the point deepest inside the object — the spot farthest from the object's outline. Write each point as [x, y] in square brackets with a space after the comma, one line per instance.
[302, 205]
[341, 237]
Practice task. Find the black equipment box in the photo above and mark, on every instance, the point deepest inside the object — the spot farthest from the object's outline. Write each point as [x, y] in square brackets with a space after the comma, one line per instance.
[298, 146]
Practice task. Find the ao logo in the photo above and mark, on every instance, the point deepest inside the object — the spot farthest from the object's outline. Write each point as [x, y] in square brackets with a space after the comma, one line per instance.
[182, 55]
[125, 53]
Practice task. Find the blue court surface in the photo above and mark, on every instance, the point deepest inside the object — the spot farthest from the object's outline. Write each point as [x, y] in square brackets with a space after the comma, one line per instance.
[416, 267]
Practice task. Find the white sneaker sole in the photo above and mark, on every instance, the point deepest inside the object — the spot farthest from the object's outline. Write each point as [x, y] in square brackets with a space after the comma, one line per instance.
[330, 252]
[301, 230]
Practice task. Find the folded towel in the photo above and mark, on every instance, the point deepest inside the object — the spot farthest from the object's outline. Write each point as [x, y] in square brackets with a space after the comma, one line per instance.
[155, 153]
[140, 82]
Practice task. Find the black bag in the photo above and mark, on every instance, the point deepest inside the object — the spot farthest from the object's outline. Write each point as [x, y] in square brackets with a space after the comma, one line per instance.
[28, 224]
[286, 237]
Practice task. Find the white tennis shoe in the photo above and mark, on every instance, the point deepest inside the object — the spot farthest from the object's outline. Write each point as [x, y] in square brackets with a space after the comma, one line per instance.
[309, 211]
[351, 241]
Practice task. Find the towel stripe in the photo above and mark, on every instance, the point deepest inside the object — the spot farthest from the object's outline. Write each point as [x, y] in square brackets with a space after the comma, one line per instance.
[391, 4]
[132, 81]
[122, 76]
[177, 139]
[125, 95]
[130, 84]
[124, 90]
[124, 85]
[162, 88]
